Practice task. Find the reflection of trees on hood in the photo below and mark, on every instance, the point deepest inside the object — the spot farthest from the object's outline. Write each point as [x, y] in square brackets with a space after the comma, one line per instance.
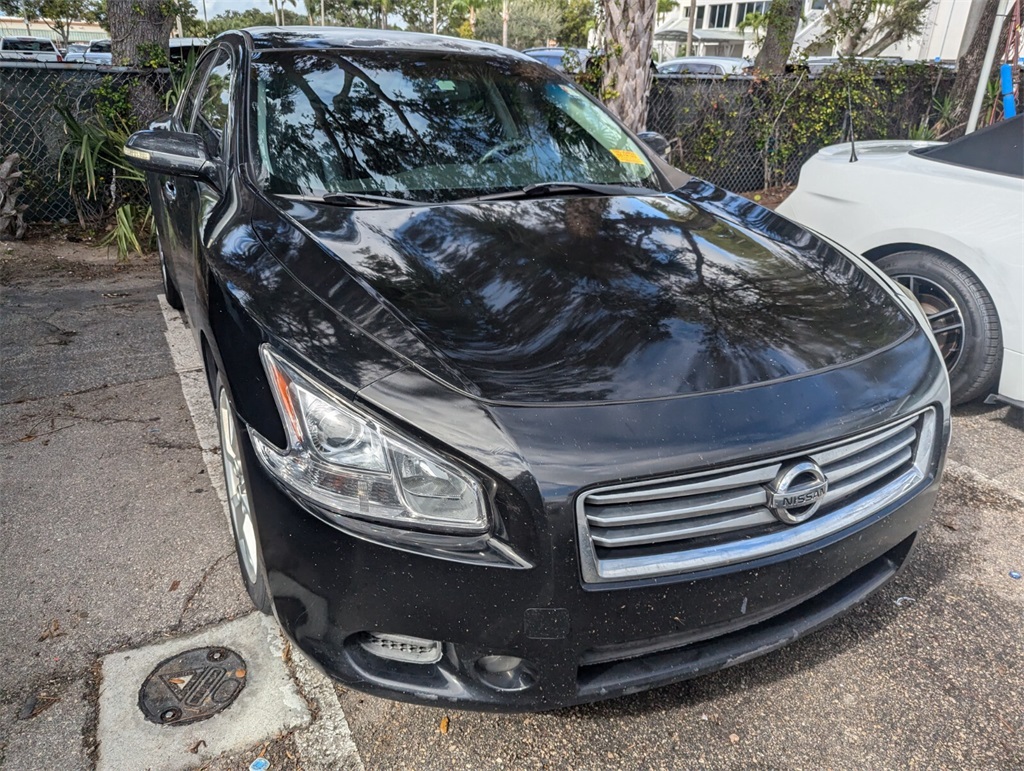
[283, 305]
[563, 293]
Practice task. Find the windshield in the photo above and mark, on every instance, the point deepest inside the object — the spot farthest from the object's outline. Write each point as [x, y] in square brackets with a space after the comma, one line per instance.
[429, 127]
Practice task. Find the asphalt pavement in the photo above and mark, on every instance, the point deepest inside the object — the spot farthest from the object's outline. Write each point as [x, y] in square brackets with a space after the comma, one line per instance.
[114, 544]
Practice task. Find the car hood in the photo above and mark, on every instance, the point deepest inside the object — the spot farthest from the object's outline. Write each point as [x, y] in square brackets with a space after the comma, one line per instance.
[590, 299]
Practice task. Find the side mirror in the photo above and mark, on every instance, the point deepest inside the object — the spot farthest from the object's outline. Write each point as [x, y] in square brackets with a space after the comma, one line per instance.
[171, 152]
[656, 142]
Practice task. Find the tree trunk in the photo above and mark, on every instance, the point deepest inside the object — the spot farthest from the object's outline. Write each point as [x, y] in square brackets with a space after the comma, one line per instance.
[851, 17]
[968, 69]
[139, 30]
[780, 31]
[628, 40]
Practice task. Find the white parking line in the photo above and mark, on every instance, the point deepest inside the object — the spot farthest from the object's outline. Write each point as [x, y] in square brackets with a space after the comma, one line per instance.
[327, 743]
[189, 365]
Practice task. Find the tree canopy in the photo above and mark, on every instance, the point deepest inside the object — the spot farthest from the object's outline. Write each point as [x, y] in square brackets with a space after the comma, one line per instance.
[868, 27]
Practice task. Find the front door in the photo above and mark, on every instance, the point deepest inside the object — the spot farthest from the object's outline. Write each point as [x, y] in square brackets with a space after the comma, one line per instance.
[196, 203]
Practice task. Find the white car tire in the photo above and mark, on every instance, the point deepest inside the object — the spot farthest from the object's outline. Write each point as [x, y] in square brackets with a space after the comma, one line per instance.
[963, 317]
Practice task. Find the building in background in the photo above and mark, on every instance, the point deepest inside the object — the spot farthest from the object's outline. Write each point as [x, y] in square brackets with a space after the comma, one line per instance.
[717, 30]
[81, 31]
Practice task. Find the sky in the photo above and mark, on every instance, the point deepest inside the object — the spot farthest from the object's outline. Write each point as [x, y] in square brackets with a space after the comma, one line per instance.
[215, 7]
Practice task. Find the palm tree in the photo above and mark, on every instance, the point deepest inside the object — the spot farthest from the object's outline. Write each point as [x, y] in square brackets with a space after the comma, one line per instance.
[628, 35]
[282, 2]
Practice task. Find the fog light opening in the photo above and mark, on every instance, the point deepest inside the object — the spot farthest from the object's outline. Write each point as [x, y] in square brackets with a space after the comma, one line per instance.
[505, 673]
[398, 647]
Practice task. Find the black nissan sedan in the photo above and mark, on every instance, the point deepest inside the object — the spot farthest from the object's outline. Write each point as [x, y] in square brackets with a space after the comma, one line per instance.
[513, 414]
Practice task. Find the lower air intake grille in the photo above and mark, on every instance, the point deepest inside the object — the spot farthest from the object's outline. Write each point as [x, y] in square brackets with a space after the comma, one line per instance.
[723, 517]
[413, 650]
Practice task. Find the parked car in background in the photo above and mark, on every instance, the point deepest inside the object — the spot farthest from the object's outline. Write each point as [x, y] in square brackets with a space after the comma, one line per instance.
[705, 65]
[28, 49]
[98, 52]
[513, 414]
[816, 65]
[556, 57]
[945, 220]
[75, 51]
[179, 49]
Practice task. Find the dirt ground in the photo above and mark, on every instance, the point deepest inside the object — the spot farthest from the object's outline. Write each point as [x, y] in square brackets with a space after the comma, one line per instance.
[64, 254]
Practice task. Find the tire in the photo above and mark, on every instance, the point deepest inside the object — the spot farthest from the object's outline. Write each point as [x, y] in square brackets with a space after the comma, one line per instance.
[963, 317]
[240, 507]
[171, 293]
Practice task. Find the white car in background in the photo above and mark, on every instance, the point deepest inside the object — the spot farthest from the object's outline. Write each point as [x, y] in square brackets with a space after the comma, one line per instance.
[706, 65]
[28, 49]
[947, 222]
[98, 52]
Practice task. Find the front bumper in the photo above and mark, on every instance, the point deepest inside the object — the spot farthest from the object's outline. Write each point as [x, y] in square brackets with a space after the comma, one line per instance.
[578, 643]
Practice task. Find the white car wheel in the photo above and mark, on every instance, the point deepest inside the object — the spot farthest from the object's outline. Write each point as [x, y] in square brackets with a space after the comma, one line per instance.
[962, 315]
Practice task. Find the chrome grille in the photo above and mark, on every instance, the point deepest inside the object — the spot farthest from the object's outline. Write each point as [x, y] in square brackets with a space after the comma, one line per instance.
[722, 517]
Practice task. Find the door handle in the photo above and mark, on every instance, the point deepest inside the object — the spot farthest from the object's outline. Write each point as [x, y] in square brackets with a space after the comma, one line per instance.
[170, 190]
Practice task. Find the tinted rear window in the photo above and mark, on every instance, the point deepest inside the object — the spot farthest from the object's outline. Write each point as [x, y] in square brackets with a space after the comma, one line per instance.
[31, 46]
[998, 149]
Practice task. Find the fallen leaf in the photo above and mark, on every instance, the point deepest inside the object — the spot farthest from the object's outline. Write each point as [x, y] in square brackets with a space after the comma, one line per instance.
[194, 749]
[52, 631]
[444, 724]
[35, 705]
[174, 585]
[734, 738]
[286, 651]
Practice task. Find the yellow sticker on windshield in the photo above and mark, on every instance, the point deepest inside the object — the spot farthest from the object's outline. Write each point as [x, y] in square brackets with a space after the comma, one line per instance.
[627, 156]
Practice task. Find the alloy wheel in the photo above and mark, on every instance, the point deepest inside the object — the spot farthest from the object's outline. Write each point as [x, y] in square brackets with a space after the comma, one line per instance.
[944, 315]
[238, 496]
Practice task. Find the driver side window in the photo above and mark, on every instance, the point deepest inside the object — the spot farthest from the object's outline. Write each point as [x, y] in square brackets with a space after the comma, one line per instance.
[187, 103]
[211, 118]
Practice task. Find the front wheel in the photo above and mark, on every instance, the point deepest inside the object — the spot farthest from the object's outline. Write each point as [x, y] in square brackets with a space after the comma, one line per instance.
[962, 315]
[243, 520]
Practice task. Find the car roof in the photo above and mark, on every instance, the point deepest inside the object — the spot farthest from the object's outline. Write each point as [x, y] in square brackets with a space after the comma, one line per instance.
[549, 49]
[298, 38]
[718, 59]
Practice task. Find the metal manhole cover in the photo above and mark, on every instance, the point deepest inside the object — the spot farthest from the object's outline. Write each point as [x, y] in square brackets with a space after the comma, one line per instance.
[192, 686]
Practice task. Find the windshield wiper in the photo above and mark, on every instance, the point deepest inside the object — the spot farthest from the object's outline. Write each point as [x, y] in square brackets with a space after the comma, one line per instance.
[365, 199]
[543, 189]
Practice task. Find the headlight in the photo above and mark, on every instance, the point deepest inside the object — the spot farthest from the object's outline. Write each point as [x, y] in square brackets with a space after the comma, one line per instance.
[349, 466]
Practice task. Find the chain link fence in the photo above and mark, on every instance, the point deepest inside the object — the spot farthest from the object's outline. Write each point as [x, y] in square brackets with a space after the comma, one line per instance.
[745, 134]
[32, 127]
[740, 133]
